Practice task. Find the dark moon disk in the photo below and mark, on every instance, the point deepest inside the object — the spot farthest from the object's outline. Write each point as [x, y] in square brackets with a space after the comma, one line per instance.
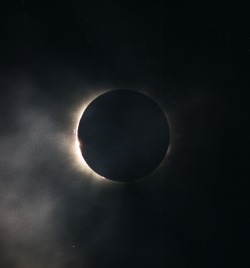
[124, 135]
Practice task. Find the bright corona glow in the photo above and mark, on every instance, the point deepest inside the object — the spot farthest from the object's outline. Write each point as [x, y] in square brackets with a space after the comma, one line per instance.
[77, 145]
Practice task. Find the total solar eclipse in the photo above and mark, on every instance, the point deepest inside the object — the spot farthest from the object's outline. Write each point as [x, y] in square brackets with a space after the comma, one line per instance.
[124, 135]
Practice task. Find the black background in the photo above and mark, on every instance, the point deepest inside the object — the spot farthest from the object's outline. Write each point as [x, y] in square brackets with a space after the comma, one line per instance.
[191, 57]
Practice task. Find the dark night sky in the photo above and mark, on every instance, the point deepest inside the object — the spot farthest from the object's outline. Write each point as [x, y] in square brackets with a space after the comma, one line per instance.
[190, 57]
